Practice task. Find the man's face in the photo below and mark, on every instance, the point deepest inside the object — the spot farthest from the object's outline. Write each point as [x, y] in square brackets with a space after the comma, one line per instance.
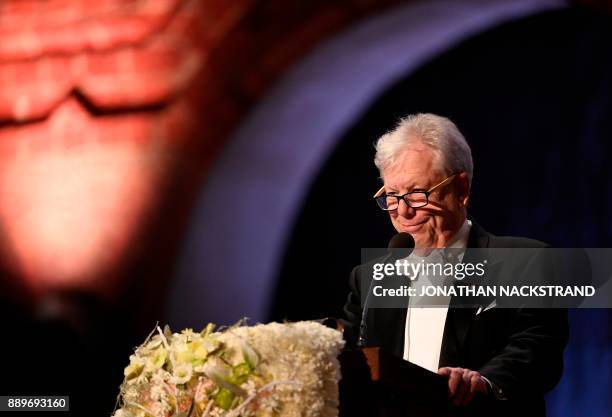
[435, 224]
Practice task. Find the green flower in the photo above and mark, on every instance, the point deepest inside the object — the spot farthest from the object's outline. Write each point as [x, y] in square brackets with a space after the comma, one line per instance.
[156, 359]
[135, 367]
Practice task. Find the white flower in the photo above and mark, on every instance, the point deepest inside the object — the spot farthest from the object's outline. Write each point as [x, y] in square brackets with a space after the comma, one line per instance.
[123, 413]
[211, 342]
[288, 369]
[181, 374]
[189, 333]
[157, 393]
[160, 377]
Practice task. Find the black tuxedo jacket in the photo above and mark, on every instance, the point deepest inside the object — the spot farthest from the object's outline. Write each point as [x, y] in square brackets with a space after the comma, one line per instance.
[519, 350]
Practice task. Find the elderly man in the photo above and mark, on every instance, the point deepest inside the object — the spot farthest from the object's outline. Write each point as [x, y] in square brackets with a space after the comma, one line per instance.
[511, 355]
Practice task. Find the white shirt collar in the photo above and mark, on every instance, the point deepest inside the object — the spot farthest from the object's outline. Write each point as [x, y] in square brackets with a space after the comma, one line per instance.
[460, 240]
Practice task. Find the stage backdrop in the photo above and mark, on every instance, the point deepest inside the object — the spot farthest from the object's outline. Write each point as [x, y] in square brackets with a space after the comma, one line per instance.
[530, 88]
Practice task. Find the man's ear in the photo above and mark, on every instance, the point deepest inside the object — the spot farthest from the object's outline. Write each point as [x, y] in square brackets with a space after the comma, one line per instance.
[463, 188]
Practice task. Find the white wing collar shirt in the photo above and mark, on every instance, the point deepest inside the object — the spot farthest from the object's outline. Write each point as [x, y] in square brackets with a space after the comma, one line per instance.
[425, 325]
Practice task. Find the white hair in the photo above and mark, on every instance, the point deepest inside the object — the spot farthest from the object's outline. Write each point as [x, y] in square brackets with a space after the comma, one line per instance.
[452, 151]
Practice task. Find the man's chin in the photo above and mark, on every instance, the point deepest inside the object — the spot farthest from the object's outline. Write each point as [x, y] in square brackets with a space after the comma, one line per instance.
[412, 229]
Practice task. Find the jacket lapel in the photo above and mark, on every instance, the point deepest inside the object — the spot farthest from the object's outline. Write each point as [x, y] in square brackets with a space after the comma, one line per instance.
[459, 320]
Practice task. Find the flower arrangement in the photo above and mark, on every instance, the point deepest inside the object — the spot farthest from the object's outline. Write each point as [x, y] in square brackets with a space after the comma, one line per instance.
[276, 369]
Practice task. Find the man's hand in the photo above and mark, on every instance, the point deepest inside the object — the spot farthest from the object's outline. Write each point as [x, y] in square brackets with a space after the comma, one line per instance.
[463, 384]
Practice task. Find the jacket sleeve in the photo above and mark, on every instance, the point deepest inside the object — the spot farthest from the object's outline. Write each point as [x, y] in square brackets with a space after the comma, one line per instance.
[352, 310]
[532, 360]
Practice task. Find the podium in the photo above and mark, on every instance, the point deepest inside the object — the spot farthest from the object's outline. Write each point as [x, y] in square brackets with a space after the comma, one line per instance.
[377, 384]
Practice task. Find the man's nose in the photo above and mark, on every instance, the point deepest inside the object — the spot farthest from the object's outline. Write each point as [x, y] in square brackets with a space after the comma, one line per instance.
[404, 210]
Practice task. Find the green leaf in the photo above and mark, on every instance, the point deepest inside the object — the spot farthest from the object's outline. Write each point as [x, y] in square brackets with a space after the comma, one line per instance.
[250, 356]
[221, 374]
[207, 330]
[224, 398]
[240, 373]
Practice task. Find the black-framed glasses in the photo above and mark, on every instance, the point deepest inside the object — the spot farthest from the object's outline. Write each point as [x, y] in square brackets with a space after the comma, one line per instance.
[415, 199]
